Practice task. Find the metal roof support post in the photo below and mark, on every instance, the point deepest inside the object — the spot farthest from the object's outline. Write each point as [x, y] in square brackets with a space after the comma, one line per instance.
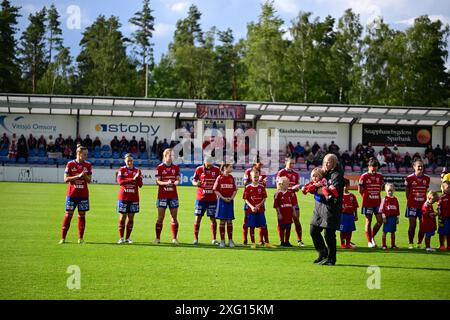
[444, 135]
[350, 133]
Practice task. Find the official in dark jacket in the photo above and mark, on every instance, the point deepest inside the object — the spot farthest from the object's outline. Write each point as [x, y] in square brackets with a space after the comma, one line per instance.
[327, 213]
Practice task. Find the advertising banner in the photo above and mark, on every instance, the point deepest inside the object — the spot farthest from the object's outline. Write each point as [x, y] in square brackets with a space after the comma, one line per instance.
[221, 111]
[402, 136]
[38, 125]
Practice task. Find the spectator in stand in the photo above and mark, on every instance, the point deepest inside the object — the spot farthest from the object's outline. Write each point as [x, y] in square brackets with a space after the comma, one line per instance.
[50, 144]
[97, 143]
[299, 151]
[174, 143]
[12, 152]
[67, 151]
[407, 160]
[290, 149]
[115, 144]
[42, 144]
[78, 141]
[124, 144]
[381, 159]
[333, 148]
[22, 149]
[309, 159]
[358, 158]
[307, 148]
[428, 149]
[416, 156]
[359, 148]
[447, 156]
[315, 148]
[4, 143]
[87, 142]
[165, 145]
[438, 154]
[133, 145]
[369, 152]
[386, 151]
[142, 145]
[155, 146]
[59, 142]
[318, 158]
[325, 148]
[346, 160]
[32, 142]
[69, 142]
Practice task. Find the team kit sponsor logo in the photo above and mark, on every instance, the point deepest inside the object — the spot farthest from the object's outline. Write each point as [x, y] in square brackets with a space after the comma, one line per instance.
[128, 128]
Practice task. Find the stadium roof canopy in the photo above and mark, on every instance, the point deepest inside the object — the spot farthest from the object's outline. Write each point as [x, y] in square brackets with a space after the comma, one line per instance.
[186, 109]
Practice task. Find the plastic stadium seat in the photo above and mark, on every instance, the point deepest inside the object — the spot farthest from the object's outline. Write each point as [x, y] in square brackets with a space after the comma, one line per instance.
[402, 170]
[106, 155]
[97, 155]
[106, 162]
[61, 161]
[116, 155]
[11, 160]
[356, 169]
[41, 153]
[3, 152]
[34, 152]
[144, 155]
[21, 160]
[32, 160]
[145, 163]
[97, 149]
[50, 161]
[116, 163]
[97, 162]
[3, 159]
[106, 148]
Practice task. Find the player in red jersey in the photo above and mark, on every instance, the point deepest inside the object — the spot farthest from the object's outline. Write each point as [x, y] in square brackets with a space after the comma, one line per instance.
[130, 180]
[428, 219]
[284, 203]
[257, 165]
[390, 211]
[206, 200]
[348, 217]
[416, 186]
[443, 210]
[225, 189]
[255, 196]
[77, 174]
[167, 179]
[318, 181]
[294, 186]
[370, 184]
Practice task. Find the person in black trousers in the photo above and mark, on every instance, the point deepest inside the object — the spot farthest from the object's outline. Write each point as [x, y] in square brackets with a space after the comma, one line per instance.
[327, 213]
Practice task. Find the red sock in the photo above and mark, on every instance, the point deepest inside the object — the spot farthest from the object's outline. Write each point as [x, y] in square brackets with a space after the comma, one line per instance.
[281, 233]
[265, 234]
[376, 227]
[66, 225]
[252, 235]
[427, 242]
[130, 229]
[349, 238]
[196, 230]
[411, 234]
[261, 235]
[393, 239]
[174, 227]
[158, 229]
[230, 230]
[121, 228]
[287, 234]
[222, 231]
[343, 237]
[214, 230]
[298, 230]
[369, 234]
[81, 225]
[421, 235]
[384, 240]
[245, 228]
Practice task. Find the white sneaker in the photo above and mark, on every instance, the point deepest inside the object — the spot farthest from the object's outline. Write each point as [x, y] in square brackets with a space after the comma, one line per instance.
[80, 241]
[231, 244]
[300, 243]
[62, 241]
[430, 249]
[195, 242]
[157, 241]
[129, 241]
[410, 246]
[222, 244]
[175, 241]
[215, 242]
[374, 245]
[352, 245]
[370, 245]
[121, 240]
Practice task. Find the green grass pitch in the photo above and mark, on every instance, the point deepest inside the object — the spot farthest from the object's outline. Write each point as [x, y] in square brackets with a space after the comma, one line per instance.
[34, 266]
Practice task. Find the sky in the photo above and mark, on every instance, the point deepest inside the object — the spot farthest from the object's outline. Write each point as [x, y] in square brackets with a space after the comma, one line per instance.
[76, 15]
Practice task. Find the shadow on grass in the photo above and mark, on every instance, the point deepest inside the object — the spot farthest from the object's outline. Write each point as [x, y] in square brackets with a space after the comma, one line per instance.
[259, 248]
[391, 267]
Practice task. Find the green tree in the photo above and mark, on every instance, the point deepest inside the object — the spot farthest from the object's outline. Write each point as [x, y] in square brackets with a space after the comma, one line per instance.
[265, 56]
[144, 21]
[104, 67]
[32, 50]
[9, 65]
[427, 79]
[55, 40]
